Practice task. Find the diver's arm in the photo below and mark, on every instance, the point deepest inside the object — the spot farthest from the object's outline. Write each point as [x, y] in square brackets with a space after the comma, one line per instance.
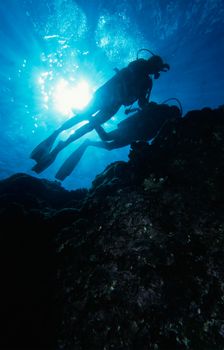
[143, 99]
[105, 136]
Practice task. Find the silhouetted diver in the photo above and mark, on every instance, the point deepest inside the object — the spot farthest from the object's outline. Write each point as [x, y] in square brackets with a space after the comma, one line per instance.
[143, 125]
[130, 84]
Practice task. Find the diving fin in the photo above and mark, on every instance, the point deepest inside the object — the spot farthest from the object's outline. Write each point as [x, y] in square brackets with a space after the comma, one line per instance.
[44, 147]
[69, 165]
[46, 160]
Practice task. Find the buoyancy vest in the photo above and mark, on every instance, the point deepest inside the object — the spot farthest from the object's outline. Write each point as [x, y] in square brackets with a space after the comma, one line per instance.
[134, 81]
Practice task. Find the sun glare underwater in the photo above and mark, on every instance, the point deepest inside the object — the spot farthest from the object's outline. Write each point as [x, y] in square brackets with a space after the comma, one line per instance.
[56, 53]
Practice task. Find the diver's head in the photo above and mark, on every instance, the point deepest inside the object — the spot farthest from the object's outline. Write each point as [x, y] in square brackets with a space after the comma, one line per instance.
[156, 65]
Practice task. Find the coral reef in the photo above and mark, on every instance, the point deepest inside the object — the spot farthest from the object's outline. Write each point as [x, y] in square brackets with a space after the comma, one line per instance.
[135, 262]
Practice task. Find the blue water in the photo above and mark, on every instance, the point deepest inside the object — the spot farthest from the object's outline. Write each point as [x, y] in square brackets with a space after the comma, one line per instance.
[45, 42]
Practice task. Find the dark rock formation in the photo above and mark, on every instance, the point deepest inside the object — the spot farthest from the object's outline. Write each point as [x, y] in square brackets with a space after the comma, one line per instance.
[136, 262]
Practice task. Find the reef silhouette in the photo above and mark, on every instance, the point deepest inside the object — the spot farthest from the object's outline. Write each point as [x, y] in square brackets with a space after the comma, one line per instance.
[134, 262]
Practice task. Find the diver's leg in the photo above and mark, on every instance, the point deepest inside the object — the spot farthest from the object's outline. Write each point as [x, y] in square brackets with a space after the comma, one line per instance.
[104, 115]
[85, 115]
[75, 136]
[69, 165]
[101, 117]
[94, 123]
[72, 122]
[71, 162]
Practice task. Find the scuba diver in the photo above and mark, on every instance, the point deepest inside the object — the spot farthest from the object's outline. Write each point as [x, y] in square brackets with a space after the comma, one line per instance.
[130, 84]
[143, 125]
